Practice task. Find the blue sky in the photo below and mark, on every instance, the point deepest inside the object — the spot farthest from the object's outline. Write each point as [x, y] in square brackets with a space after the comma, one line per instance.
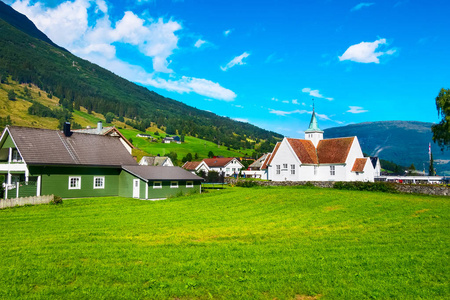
[264, 61]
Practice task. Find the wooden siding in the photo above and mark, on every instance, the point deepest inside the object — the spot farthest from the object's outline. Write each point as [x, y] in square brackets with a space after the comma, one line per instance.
[166, 191]
[55, 180]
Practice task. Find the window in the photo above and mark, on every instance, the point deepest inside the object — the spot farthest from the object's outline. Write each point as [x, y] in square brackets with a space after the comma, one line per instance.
[285, 166]
[16, 156]
[189, 184]
[99, 182]
[174, 184]
[278, 167]
[74, 183]
[292, 169]
[332, 170]
[157, 185]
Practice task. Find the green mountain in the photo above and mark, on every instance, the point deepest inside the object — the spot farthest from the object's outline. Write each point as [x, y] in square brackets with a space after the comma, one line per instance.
[403, 142]
[28, 56]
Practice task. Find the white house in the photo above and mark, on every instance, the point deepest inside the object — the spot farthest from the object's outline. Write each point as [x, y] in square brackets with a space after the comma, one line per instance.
[318, 159]
[256, 170]
[196, 167]
[156, 161]
[228, 165]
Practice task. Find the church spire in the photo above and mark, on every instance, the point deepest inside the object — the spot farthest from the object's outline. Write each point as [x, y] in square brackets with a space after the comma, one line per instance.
[313, 132]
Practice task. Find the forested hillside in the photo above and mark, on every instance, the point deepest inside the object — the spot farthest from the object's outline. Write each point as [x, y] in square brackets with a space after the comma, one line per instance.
[403, 142]
[27, 57]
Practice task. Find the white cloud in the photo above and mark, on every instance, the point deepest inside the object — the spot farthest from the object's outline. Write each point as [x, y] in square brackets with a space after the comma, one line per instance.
[238, 60]
[199, 43]
[356, 110]
[364, 52]
[361, 5]
[200, 86]
[237, 105]
[274, 99]
[285, 113]
[67, 25]
[285, 101]
[315, 93]
[227, 32]
[295, 101]
[241, 120]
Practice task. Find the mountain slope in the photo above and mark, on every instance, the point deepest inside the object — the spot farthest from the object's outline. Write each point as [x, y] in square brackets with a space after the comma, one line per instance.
[403, 142]
[79, 83]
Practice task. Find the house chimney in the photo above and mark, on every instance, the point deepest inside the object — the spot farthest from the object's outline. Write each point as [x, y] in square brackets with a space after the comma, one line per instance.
[99, 127]
[66, 129]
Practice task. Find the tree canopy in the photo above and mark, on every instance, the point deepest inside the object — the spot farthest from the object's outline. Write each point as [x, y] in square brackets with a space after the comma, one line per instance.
[441, 131]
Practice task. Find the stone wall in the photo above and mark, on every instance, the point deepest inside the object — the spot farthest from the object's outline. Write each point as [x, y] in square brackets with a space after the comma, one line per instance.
[402, 188]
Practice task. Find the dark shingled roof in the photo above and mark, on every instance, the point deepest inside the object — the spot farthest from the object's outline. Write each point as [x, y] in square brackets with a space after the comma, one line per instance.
[52, 147]
[160, 173]
[359, 165]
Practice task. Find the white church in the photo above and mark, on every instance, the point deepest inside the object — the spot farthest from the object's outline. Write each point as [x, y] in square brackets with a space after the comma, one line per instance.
[317, 159]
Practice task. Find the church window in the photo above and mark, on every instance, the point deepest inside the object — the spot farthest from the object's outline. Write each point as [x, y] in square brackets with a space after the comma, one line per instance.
[332, 170]
[278, 168]
[292, 169]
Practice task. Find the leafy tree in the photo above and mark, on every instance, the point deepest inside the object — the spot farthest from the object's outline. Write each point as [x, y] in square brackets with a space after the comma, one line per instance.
[196, 156]
[412, 167]
[109, 117]
[441, 131]
[182, 138]
[188, 157]
[156, 132]
[11, 95]
[210, 154]
[173, 157]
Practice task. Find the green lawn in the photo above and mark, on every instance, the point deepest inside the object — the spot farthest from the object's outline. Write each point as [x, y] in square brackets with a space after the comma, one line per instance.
[191, 145]
[237, 243]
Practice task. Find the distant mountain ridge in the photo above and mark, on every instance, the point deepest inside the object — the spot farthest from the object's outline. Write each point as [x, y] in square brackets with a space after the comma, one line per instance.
[403, 142]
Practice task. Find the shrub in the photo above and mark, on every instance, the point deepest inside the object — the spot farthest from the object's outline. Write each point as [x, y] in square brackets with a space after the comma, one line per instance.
[385, 187]
[246, 183]
[56, 200]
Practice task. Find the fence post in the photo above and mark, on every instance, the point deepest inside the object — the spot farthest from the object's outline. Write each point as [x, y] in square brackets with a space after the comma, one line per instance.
[17, 189]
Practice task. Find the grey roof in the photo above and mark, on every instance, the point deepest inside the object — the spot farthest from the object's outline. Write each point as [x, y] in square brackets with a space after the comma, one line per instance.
[259, 162]
[161, 173]
[52, 147]
[374, 160]
[153, 160]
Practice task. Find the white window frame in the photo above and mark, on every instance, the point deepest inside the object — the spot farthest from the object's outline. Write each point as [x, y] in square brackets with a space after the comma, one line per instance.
[16, 156]
[172, 184]
[332, 170]
[77, 183]
[189, 184]
[292, 169]
[102, 181]
[156, 186]
[278, 169]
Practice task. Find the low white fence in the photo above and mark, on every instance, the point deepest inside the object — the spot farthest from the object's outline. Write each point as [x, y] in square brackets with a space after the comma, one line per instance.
[34, 200]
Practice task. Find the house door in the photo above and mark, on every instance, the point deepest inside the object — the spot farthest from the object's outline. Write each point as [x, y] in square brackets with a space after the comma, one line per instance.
[136, 188]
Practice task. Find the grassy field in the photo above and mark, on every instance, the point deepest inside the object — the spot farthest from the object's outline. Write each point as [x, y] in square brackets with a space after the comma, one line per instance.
[237, 243]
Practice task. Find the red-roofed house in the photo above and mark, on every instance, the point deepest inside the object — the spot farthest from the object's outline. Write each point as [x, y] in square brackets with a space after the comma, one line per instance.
[318, 159]
[229, 165]
[196, 166]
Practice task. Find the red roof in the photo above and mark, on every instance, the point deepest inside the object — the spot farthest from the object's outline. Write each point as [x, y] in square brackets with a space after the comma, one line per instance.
[218, 162]
[359, 165]
[305, 150]
[269, 160]
[191, 165]
[334, 151]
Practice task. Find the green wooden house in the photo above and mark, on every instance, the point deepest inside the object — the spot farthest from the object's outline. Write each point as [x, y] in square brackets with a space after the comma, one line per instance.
[69, 164]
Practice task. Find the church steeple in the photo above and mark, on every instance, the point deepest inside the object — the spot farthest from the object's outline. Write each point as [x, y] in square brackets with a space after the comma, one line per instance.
[313, 133]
